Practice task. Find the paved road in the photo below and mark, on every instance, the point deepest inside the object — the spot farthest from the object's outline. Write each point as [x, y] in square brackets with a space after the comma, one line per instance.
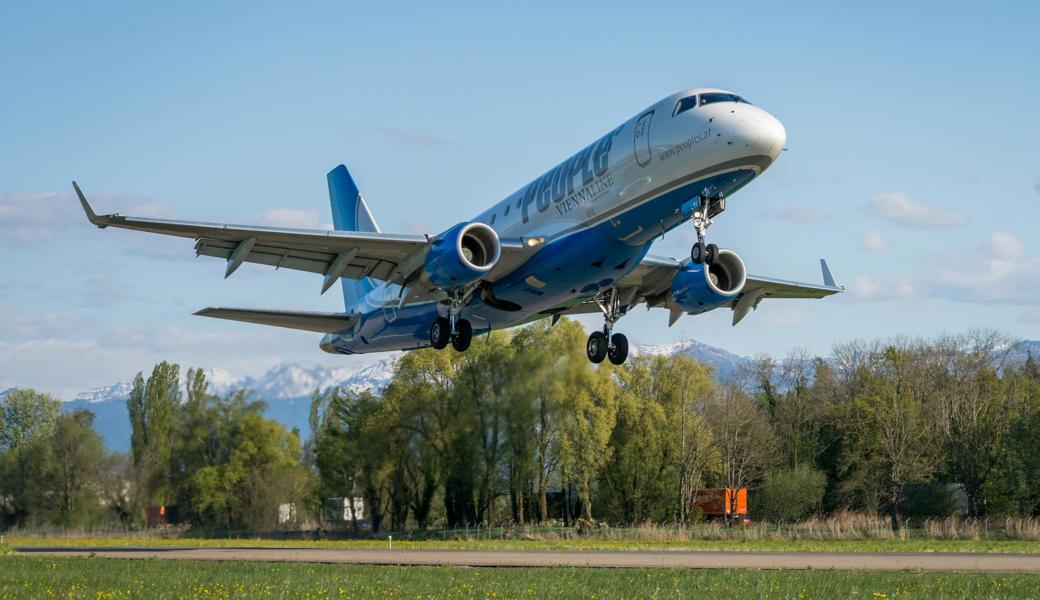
[672, 559]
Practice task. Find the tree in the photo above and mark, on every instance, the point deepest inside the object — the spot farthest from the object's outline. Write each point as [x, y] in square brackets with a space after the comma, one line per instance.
[483, 382]
[745, 438]
[790, 494]
[545, 357]
[262, 471]
[350, 450]
[798, 414]
[588, 415]
[151, 407]
[889, 427]
[73, 469]
[27, 419]
[26, 416]
[660, 446]
[687, 387]
[977, 409]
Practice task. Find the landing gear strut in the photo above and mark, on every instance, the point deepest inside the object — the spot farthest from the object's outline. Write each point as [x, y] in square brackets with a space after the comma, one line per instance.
[459, 332]
[709, 207]
[604, 344]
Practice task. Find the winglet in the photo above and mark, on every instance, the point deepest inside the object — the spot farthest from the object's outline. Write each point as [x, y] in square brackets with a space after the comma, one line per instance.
[93, 218]
[828, 279]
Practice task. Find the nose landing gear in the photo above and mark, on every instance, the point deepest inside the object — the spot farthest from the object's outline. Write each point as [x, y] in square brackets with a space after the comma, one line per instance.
[459, 332]
[604, 344]
[709, 207]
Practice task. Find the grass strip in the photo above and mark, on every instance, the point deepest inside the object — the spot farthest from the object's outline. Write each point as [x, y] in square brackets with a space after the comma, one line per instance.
[96, 578]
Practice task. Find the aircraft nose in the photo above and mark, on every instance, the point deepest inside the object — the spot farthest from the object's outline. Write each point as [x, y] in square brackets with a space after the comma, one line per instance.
[773, 136]
[759, 132]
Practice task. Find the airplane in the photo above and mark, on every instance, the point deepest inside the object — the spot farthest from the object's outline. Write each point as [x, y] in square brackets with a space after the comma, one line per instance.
[575, 240]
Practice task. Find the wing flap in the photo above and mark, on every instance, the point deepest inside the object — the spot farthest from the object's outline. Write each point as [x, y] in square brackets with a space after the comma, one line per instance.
[319, 322]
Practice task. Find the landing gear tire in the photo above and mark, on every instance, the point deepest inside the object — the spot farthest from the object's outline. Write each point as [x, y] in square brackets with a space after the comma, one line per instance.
[698, 252]
[463, 335]
[711, 254]
[618, 351]
[440, 333]
[596, 347]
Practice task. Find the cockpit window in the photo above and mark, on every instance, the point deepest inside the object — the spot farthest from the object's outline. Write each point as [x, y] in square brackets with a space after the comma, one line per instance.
[685, 104]
[714, 97]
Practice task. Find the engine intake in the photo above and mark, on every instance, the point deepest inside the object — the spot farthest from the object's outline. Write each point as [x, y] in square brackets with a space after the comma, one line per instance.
[462, 254]
[698, 288]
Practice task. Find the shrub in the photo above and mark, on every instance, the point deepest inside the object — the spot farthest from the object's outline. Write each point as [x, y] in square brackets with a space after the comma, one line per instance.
[789, 494]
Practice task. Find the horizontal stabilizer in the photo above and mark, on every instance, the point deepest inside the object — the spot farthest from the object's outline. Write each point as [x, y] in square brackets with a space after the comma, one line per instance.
[320, 322]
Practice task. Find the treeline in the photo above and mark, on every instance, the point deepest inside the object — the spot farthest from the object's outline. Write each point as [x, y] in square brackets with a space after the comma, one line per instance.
[203, 459]
[523, 429]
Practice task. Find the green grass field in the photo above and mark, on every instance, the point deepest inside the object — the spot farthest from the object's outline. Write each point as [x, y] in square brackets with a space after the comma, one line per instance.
[97, 578]
[776, 545]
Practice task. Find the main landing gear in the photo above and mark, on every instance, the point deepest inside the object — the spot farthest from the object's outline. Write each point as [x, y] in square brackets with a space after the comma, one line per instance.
[458, 332]
[701, 251]
[603, 344]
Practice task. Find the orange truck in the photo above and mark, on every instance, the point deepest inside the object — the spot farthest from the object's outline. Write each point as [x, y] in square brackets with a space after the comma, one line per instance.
[726, 503]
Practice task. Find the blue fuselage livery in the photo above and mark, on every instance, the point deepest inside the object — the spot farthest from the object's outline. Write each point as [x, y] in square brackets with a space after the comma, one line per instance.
[574, 240]
[598, 212]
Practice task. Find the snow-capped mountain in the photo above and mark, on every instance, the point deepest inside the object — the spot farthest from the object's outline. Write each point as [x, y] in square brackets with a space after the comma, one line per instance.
[725, 364]
[287, 388]
[106, 393]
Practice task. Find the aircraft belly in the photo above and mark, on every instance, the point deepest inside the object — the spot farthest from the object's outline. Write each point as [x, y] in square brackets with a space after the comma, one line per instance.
[575, 267]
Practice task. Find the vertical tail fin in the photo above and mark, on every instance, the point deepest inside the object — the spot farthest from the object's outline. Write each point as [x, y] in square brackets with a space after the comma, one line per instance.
[350, 213]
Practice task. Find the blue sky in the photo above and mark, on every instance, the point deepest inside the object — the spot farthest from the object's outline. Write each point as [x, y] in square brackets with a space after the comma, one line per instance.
[913, 162]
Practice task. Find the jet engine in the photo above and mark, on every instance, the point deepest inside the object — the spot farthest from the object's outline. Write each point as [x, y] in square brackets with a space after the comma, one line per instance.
[698, 288]
[462, 254]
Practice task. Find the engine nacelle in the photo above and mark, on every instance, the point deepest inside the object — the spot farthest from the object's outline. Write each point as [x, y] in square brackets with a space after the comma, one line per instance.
[462, 254]
[700, 288]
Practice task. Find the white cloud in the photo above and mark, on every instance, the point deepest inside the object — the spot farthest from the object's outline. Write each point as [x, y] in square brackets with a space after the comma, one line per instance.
[14, 326]
[997, 272]
[30, 218]
[65, 362]
[99, 290]
[37, 217]
[874, 241]
[898, 208]
[997, 280]
[1006, 245]
[305, 218]
[871, 289]
[801, 214]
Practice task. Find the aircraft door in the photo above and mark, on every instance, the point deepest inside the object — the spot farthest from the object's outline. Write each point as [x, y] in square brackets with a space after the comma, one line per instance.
[642, 139]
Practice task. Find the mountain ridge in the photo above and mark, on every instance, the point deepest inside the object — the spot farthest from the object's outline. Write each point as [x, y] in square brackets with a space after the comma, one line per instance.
[287, 387]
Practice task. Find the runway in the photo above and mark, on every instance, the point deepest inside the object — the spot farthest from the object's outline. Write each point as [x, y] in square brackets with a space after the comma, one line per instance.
[860, 561]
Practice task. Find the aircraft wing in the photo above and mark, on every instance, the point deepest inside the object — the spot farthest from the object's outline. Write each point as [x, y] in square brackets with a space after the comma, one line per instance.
[320, 322]
[651, 281]
[334, 254]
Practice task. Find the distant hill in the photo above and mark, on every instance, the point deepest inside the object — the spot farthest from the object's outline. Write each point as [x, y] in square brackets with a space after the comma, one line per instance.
[287, 388]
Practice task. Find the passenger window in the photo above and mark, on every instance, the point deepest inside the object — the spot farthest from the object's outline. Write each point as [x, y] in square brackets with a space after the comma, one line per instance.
[684, 105]
[506, 214]
[492, 221]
